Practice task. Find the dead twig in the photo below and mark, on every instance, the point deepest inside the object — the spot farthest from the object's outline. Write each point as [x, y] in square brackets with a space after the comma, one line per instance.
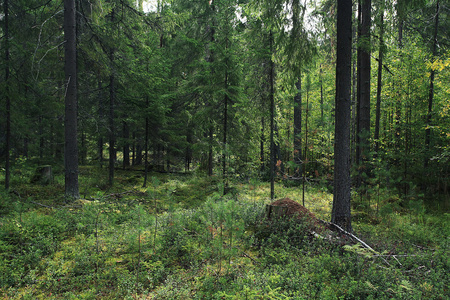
[354, 237]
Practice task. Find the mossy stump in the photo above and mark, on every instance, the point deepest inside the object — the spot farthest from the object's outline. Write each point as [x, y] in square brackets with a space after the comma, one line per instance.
[42, 175]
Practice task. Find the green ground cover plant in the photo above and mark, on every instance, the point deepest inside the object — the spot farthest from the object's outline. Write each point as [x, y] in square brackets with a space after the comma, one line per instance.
[181, 238]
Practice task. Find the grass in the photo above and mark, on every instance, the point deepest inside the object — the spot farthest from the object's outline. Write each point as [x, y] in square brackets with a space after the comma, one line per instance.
[179, 238]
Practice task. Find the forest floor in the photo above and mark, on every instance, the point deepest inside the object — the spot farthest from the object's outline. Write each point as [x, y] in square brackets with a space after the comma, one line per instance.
[181, 238]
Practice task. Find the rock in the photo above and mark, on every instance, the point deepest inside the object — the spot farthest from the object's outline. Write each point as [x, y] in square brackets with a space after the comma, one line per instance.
[42, 175]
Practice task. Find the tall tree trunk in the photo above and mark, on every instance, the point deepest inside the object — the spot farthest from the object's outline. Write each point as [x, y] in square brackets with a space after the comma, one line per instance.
[70, 122]
[83, 148]
[210, 59]
[358, 91]
[341, 213]
[431, 90]
[379, 85]
[41, 134]
[364, 77]
[354, 104]
[225, 127]
[397, 112]
[146, 143]
[272, 120]
[298, 128]
[133, 149]
[101, 116]
[8, 99]
[126, 145]
[305, 160]
[210, 150]
[262, 141]
[188, 158]
[321, 95]
[112, 95]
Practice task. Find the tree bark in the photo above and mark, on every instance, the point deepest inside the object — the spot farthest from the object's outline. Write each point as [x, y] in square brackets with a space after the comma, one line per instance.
[126, 145]
[111, 113]
[210, 150]
[305, 159]
[298, 128]
[358, 91]
[321, 95]
[379, 85]
[188, 157]
[431, 90]
[341, 213]
[70, 121]
[262, 141]
[8, 99]
[225, 127]
[272, 117]
[146, 143]
[364, 91]
[101, 116]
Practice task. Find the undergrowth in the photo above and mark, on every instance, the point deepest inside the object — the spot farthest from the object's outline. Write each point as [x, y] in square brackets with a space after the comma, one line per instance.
[180, 238]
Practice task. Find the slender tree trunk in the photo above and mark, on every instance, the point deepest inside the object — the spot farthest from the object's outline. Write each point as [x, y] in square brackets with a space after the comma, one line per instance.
[8, 99]
[298, 128]
[188, 158]
[272, 121]
[358, 92]
[41, 135]
[364, 107]
[321, 95]
[112, 95]
[133, 149]
[70, 69]
[397, 112]
[354, 104]
[146, 143]
[210, 151]
[83, 148]
[431, 90]
[262, 141]
[101, 116]
[225, 128]
[341, 213]
[126, 146]
[305, 160]
[379, 85]
[210, 59]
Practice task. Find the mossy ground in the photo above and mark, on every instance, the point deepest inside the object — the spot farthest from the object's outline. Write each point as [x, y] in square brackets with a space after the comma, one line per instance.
[180, 238]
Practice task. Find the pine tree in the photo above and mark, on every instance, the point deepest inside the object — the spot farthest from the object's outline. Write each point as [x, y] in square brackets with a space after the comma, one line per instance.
[341, 214]
[70, 122]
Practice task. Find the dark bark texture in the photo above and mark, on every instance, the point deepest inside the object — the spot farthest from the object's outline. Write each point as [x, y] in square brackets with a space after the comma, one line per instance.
[70, 121]
[364, 86]
[379, 86]
[431, 88]
[8, 99]
[341, 214]
[298, 127]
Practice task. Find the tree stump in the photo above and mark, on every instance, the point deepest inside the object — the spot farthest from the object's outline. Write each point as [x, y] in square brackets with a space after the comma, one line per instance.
[43, 175]
[273, 211]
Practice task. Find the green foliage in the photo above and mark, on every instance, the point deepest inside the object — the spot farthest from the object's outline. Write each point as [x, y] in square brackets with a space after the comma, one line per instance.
[218, 247]
[184, 237]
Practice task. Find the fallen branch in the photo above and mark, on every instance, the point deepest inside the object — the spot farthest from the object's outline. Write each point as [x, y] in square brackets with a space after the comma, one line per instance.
[251, 258]
[351, 235]
[47, 206]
